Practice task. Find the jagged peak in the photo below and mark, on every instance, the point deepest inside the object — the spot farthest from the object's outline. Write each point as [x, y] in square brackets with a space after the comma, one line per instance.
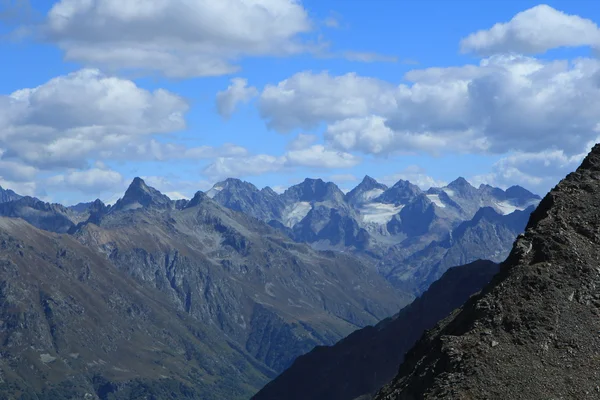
[517, 191]
[139, 192]
[198, 198]
[369, 180]
[460, 182]
[314, 190]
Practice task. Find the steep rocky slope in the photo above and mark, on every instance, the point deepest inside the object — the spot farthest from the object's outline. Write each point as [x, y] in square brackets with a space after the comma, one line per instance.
[74, 327]
[275, 298]
[488, 234]
[534, 332]
[359, 364]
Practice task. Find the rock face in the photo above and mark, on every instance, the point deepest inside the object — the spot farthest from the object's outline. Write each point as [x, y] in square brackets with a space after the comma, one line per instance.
[534, 332]
[488, 234]
[74, 327]
[361, 363]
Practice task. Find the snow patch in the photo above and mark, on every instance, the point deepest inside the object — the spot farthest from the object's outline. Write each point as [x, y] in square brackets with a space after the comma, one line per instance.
[371, 194]
[379, 213]
[449, 192]
[435, 199]
[506, 207]
[296, 213]
[213, 191]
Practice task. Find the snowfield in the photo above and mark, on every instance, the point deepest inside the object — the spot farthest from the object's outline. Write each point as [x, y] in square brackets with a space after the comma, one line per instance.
[435, 199]
[213, 191]
[296, 213]
[379, 213]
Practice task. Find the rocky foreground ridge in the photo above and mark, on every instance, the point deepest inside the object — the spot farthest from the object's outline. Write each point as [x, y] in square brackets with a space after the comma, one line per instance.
[534, 332]
[358, 365]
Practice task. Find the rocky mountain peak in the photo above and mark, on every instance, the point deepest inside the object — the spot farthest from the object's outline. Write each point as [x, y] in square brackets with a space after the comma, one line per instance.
[268, 191]
[519, 193]
[139, 194]
[533, 332]
[459, 182]
[368, 189]
[370, 183]
[198, 198]
[314, 190]
[462, 187]
[402, 192]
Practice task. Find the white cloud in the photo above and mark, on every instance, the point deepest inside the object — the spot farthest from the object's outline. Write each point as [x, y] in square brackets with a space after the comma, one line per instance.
[71, 118]
[229, 167]
[16, 171]
[302, 141]
[534, 31]
[415, 175]
[504, 104]
[154, 150]
[22, 188]
[90, 181]
[237, 92]
[178, 38]
[307, 99]
[316, 156]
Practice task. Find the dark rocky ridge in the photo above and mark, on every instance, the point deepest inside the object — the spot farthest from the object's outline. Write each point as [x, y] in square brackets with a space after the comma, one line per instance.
[361, 363]
[534, 332]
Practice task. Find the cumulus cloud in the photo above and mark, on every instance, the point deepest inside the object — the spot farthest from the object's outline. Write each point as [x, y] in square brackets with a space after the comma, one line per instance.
[63, 122]
[504, 104]
[306, 99]
[178, 38]
[302, 141]
[316, 156]
[154, 150]
[92, 181]
[534, 31]
[237, 92]
[229, 167]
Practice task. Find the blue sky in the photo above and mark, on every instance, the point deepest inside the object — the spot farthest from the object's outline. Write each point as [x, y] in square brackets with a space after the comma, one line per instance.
[188, 92]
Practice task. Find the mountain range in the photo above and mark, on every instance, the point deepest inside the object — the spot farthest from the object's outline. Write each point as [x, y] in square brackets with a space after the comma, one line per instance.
[412, 236]
[153, 293]
[227, 289]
